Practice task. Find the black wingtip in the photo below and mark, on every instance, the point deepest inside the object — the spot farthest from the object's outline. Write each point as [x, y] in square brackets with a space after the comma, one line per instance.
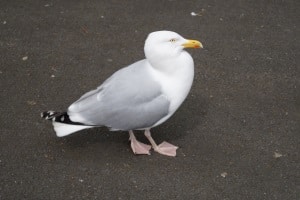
[48, 115]
[61, 117]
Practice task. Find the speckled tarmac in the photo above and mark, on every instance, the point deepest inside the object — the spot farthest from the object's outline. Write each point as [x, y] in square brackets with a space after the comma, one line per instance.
[238, 130]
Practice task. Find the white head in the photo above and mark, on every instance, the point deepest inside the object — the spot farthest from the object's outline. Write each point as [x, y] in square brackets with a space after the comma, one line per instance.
[162, 45]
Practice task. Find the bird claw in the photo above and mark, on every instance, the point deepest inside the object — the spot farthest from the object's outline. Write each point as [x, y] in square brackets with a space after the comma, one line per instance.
[140, 148]
[167, 149]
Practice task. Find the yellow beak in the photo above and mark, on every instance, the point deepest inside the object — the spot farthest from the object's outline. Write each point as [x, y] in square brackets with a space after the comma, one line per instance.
[192, 44]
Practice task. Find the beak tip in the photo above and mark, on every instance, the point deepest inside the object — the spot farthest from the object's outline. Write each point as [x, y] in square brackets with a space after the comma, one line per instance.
[200, 45]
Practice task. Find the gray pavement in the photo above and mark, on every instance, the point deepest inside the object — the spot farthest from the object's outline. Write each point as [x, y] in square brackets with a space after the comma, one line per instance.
[238, 130]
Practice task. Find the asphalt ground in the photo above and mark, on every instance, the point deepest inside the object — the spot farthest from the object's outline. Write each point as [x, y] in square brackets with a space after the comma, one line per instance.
[238, 130]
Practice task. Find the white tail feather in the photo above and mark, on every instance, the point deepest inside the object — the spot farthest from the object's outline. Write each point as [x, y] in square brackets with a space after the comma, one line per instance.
[62, 129]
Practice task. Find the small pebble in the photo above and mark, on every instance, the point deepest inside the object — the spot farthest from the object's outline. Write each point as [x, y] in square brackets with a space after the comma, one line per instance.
[32, 103]
[277, 155]
[224, 174]
[25, 58]
[52, 76]
[200, 13]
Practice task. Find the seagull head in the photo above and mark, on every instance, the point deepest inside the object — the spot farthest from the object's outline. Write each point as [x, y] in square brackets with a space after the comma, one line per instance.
[162, 45]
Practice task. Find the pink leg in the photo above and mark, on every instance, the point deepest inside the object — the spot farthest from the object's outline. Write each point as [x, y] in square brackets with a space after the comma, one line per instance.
[164, 148]
[138, 147]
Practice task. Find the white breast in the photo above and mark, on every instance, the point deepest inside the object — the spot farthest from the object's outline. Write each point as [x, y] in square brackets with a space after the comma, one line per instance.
[176, 80]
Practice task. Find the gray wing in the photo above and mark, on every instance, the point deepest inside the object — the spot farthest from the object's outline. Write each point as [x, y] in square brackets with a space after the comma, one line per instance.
[130, 99]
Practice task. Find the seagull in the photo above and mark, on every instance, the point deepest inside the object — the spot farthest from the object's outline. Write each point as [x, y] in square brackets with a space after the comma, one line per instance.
[140, 96]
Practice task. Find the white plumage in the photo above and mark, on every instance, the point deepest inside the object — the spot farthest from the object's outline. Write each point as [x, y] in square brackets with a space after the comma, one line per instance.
[138, 97]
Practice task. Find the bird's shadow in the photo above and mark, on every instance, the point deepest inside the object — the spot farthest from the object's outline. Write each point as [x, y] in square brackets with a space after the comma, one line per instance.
[191, 114]
[99, 135]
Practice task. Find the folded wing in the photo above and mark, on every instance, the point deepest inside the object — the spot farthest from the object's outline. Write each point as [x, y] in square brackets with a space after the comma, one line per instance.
[123, 103]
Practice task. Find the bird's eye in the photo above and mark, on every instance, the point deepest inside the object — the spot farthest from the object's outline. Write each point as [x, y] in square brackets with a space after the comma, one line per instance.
[173, 40]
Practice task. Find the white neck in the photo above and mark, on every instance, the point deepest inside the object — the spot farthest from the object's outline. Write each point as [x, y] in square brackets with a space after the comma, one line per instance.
[176, 79]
